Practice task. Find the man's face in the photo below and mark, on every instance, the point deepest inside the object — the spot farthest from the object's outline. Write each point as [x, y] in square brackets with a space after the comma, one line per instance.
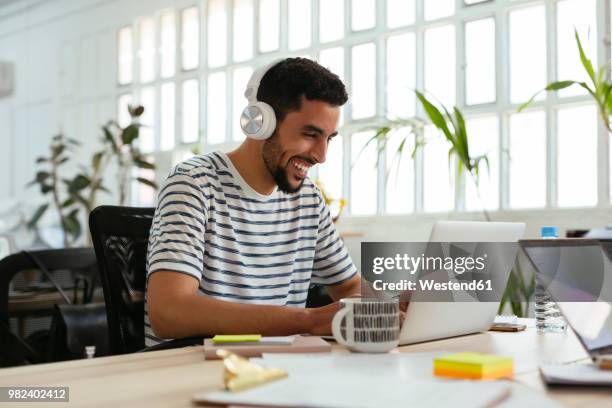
[299, 142]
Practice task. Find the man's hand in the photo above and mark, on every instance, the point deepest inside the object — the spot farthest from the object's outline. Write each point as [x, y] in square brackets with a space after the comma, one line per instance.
[321, 317]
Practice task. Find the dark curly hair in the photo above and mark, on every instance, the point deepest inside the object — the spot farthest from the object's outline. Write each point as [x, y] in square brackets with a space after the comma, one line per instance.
[286, 82]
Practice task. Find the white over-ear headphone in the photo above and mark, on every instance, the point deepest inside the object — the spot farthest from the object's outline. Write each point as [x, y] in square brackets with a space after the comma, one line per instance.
[258, 120]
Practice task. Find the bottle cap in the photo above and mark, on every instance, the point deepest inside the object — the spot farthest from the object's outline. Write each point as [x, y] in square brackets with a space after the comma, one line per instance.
[549, 232]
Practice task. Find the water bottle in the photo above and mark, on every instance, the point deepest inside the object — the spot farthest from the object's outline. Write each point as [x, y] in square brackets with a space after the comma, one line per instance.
[547, 314]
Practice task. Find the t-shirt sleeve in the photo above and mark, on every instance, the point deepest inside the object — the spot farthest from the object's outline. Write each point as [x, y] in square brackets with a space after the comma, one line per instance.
[332, 263]
[176, 242]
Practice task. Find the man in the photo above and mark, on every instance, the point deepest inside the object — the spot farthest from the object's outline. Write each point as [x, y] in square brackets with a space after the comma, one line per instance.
[237, 239]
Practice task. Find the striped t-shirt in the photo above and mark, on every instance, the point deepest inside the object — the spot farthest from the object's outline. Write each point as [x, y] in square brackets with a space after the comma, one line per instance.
[240, 245]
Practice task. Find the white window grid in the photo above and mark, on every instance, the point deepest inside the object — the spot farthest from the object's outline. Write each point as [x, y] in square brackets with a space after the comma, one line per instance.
[502, 108]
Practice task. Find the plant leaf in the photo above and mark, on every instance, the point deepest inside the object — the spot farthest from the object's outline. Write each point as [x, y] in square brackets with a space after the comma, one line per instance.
[434, 115]
[586, 63]
[129, 134]
[40, 211]
[147, 182]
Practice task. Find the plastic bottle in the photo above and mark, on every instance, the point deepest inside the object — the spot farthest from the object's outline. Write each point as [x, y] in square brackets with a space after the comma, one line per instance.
[547, 314]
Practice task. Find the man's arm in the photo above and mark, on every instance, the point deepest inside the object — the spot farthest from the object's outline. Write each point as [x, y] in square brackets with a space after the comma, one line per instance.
[348, 288]
[177, 310]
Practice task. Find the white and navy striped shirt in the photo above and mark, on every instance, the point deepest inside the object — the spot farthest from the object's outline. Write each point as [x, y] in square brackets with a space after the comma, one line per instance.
[240, 245]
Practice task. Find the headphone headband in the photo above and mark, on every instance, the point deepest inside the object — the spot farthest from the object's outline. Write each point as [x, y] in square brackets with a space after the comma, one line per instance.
[253, 85]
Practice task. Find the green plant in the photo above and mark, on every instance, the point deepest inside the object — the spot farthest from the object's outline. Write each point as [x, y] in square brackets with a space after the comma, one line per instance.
[452, 126]
[70, 196]
[119, 142]
[600, 88]
[50, 182]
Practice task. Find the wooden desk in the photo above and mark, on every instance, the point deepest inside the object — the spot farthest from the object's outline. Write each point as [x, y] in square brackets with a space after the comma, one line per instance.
[169, 378]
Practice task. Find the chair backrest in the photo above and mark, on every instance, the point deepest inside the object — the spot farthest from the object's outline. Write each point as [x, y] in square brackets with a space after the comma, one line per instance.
[69, 259]
[120, 236]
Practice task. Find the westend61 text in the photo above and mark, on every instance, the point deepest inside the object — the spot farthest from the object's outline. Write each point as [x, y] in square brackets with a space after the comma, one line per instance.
[474, 285]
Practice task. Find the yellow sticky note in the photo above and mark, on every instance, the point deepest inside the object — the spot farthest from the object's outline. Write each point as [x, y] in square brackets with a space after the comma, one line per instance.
[236, 338]
[473, 366]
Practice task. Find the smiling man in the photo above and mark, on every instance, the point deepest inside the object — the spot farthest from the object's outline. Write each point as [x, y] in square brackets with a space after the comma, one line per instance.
[238, 238]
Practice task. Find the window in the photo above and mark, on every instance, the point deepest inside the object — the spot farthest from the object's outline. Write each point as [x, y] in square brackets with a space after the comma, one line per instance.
[440, 66]
[577, 149]
[191, 111]
[243, 31]
[216, 108]
[527, 53]
[528, 160]
[125, 56]
[300, 16]
[480, 61]
[269, 19]
[331, 20]
[190, 38]
[485, 57]
[167, 116]
[168, 45]
[363, 175]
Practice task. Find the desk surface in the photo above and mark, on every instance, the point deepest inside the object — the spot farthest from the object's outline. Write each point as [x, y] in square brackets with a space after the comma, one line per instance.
[171, 377]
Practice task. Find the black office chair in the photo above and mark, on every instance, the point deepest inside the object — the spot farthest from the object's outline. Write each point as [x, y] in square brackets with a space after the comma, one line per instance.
[79, 262]
[120, 236]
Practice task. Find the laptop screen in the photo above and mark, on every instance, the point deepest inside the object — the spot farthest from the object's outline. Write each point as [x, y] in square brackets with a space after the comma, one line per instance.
[578, 276]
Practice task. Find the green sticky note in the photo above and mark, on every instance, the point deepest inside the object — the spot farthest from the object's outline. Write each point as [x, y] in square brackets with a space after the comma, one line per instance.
[236, 338]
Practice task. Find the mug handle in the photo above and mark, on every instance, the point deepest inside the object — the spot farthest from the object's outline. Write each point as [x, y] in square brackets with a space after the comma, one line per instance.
[336, 321]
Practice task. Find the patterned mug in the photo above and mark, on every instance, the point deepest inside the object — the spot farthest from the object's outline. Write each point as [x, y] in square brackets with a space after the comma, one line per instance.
[367, 325]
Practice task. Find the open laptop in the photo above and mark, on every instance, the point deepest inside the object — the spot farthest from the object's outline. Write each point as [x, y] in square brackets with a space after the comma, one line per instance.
[435, 320]
[578, 276]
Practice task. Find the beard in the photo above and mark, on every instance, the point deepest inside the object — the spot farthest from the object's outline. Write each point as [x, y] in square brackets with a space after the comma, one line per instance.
[271, 155]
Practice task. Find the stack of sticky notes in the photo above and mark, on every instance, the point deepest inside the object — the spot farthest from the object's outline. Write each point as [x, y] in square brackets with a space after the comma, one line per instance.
[474, 366]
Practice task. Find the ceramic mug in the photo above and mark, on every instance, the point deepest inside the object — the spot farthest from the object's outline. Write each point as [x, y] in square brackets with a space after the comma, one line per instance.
[367, 325]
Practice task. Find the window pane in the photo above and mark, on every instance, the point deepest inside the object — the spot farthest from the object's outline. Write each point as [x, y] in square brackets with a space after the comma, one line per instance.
[191, 111]
[401, 76]
[300, 19]
[240, 79]
[438, 185]
[217, 33]
[480, 61]
[400, 173]
[269, 19]
[440, 63]
[190, 36]
[528, 160]
[527, 53]
[400, 13]
[125, 51]
[333, 59]
[167, 116]
[363, 80]
[331, 20]
[363, 175]
[216, 114]
[243, 30]
[571, 15]
[330, 172]
[438, 9]
[146, 138]
[146, 53]
[363, 14]
[168, 45]
[483, 134]
[123, 116]
[577, 147]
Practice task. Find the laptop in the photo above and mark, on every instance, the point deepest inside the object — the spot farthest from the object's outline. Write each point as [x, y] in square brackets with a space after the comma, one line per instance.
[578, 276]
[427, 321]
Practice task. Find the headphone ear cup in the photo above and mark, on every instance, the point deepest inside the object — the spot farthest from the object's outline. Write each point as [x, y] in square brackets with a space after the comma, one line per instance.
[258, 121]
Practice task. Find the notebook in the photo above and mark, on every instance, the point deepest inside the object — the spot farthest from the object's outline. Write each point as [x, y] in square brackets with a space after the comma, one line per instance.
[301, 344]
[575, 374]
